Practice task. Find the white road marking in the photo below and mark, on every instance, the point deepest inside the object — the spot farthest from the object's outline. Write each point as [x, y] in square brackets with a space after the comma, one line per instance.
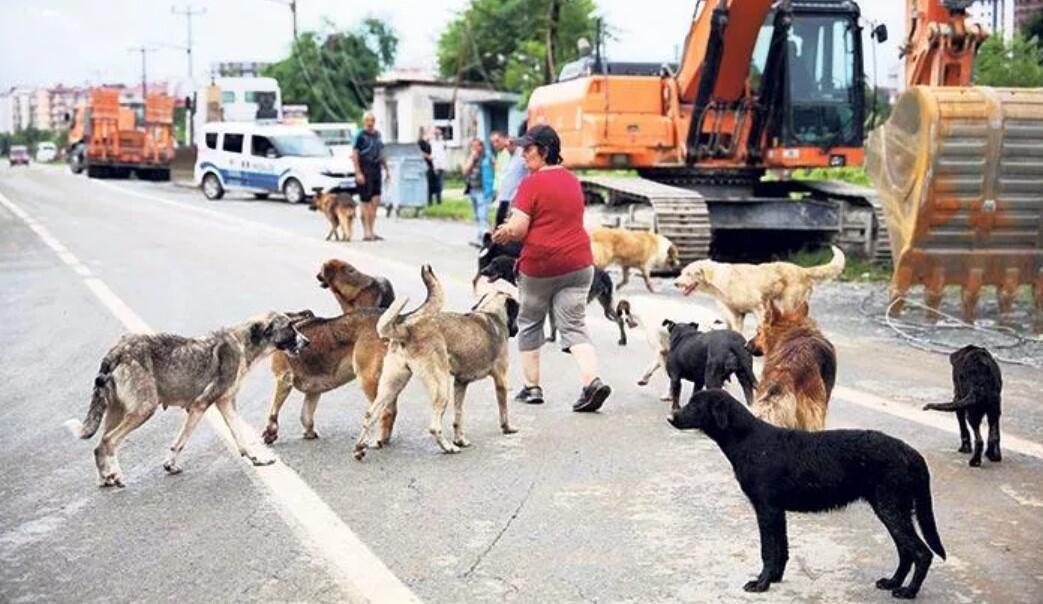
[1024, 500]
[356, 568]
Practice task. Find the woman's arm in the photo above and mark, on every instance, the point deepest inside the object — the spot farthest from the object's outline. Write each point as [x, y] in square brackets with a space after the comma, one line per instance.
[515, 229]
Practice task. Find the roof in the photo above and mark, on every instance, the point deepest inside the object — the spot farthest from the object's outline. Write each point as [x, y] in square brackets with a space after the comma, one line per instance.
[256, 128]
[404, 78]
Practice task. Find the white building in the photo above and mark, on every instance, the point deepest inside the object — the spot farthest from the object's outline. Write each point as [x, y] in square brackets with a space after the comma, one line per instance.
[406, 102]
[15, 110]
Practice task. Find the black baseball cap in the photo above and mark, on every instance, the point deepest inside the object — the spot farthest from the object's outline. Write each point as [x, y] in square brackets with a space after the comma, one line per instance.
[544, 136]
[541, 135]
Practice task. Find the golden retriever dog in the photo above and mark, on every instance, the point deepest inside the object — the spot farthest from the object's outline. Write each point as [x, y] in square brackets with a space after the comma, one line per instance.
[800, 368]
[641, 250]
[339, 209]
[741, 289]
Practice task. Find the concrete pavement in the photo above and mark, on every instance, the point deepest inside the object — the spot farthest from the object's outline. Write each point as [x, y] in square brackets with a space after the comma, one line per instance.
[612, 507]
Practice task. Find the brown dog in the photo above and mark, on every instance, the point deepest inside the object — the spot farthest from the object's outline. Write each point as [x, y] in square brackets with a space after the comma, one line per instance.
[354, 289]
[342, 349]
[641, 250]
[800, 369]
[339, 210]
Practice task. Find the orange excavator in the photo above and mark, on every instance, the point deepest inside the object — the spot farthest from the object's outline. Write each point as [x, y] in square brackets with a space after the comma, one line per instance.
[762, 85]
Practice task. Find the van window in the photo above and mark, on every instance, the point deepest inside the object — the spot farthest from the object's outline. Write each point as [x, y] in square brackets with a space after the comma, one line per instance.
[249, 96]
[233, 143]
[260, 145]
[211, 140]
[228, 96]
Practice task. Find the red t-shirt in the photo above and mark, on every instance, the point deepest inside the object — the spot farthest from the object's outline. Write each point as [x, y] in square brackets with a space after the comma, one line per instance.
[556, 243]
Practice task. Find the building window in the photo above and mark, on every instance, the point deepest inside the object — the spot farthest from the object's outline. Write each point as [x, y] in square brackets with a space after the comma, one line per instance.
[392, 117]
[443, 114]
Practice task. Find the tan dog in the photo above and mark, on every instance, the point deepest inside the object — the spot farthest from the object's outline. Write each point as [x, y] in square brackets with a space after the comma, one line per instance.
[741, 289]
[800, 369]
[342, 350]
[341, 214]
[354, 289]
[641, 250]
[447, 351]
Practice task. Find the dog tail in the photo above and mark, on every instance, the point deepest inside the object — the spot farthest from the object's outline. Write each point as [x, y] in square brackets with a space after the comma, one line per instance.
[925, 512]
[745, 369]
[435, 295]
[830, 270]
[101, 398]
[956, 405]
[389, 326]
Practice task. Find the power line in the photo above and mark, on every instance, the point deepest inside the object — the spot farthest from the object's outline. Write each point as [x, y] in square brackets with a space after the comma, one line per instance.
[188, 12]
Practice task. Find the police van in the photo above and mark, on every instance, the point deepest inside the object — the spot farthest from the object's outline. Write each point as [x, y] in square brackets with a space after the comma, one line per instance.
[268, 159]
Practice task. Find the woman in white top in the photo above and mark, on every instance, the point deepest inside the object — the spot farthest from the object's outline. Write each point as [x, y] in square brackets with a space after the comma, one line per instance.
[440, 161]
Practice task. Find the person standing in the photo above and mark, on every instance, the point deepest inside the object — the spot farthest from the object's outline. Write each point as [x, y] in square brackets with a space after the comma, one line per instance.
[440, 159]
[512, 177]
[478, 174]
[555, 269]
[369, 158]
[424, 142]
[501, 155]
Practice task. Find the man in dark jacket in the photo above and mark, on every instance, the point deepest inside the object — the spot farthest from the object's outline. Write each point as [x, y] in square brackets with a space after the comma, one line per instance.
[369, 159]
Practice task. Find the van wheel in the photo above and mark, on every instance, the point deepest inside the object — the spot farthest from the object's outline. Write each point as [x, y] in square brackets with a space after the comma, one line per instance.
[261, 196]
[212, 187]
[293, 190]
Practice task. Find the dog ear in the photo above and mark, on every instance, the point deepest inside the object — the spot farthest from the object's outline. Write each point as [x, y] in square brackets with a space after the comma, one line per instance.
[719, 411]
[669, 325]
[513, 308]
[803, 310]
[259, 330]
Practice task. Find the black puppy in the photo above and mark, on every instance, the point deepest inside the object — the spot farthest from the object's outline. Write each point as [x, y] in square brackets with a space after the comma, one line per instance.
[977, 384]
[601, 289]
[707, 359]
[783, 470]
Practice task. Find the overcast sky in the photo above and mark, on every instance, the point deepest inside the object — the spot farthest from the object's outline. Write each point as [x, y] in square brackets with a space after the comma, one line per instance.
[45, 42]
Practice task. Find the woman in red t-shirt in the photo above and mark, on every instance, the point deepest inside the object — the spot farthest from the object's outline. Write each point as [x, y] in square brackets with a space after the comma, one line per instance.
[555, 268]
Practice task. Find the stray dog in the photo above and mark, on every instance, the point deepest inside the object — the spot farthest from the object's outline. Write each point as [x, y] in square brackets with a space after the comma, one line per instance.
[354, 289]
[342, 349]
[783, 471]
[741, 289]
[707, 359]
[601, 289]
[143, 372]
[656, 335]
[641, 250]
[339, 209]
[800, 368]
[977, 384]
[491, 250]
[445, 350]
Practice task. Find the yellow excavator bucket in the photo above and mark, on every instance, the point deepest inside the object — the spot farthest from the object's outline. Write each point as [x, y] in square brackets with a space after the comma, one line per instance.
[960, 173]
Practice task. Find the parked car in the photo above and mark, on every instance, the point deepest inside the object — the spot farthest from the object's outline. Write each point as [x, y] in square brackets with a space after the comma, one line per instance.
[338, 136]
[19, 155]
[46, 152]
[264, 159]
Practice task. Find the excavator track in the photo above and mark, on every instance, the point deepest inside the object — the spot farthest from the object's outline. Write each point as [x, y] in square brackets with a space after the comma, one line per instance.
[680, 215]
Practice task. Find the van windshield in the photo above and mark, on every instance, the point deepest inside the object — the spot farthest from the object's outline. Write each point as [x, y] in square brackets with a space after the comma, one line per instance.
[300, 145]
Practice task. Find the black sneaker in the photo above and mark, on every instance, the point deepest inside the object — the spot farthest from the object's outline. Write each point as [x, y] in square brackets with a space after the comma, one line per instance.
[530, 395]
[592, 397]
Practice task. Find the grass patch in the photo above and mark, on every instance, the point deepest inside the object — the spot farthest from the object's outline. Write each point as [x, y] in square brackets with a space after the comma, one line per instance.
[855, 175]
[855, 269]
[451, 208]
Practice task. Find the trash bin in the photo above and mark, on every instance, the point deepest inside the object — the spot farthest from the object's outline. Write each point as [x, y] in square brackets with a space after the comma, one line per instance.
[408, 186]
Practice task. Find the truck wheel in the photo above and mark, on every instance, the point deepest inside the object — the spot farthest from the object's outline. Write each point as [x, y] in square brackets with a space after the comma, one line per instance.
[97, 172]
[293, 190]
[76, 160]
[212, 187]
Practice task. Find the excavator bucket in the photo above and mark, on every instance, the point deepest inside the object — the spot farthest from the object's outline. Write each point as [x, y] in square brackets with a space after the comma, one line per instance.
[960, 172]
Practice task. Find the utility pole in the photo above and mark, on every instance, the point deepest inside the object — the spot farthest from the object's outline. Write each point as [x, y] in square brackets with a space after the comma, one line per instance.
[293, 11]
[144, 50]
[188, 12]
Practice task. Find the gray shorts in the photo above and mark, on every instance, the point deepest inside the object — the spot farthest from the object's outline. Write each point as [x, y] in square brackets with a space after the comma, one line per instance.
[565, 296]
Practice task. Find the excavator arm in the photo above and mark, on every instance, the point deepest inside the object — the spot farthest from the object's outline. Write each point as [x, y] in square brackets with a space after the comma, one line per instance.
[940, 45]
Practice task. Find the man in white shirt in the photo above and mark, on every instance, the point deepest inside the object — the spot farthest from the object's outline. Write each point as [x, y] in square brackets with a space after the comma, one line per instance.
[440, 161]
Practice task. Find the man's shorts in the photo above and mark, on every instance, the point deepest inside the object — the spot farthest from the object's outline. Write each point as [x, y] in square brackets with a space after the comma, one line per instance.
[565, 296]
[372, 187]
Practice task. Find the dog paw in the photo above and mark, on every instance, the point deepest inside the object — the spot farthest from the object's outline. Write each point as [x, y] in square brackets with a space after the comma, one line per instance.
[904, 593]
[887, 583]
[172, 468]
[508, 430]
[270, 435]
[642, 382]
[311, 435]
[756, 586]
[463, 443]
[261, 461]
[451, 449]
[382, 442]
[975, 462]
[666, 398]
[112, 480]
[965, 447]
[360, 452]
[996, 457]
[622, 342]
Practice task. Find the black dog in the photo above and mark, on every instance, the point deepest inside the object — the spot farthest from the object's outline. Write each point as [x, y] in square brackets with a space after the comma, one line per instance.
[707, 359]
[783, 470]
[977, 384]
[601, 288]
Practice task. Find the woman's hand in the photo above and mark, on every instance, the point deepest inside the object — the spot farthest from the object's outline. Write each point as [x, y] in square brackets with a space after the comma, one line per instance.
[502, 234]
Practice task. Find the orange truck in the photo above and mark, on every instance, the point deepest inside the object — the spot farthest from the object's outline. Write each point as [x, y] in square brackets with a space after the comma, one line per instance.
[108, 139]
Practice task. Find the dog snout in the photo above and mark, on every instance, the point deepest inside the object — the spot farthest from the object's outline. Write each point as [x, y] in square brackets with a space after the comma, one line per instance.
[322, 281]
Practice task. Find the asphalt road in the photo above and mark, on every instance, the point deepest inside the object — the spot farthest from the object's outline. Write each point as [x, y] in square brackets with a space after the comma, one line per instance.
[612, 507]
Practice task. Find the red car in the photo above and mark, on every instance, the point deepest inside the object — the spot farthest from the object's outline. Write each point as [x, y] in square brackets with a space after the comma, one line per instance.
[19, 155]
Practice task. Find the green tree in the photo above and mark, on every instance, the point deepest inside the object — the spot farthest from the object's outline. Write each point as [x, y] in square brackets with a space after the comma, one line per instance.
[514, 45]
[1018, 63]
[333, 72]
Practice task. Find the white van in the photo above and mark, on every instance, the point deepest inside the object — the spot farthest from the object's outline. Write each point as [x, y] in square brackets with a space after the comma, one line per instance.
[245, 99]
[265, 159]
[338, 136]
[46, 151]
